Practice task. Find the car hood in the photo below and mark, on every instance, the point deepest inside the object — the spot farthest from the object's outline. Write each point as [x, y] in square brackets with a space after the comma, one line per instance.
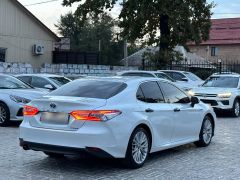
[212, 90]
[25, 93]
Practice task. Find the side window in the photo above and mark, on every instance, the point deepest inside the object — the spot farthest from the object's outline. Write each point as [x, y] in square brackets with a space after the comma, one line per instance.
[2, 54]
[169, 74]
[39, 82]
[150, 92]
[26, 79]
[173, 94]
[140, 95]
[178, 76]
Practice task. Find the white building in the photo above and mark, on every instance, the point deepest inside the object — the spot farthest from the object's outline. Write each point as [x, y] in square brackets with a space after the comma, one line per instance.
[24, 38]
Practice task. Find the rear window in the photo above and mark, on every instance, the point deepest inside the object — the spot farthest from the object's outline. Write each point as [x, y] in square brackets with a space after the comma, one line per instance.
[90, 89]
[59, 80]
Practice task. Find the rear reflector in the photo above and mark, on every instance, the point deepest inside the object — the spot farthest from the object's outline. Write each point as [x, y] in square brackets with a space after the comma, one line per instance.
[95, 115]
[30, 111]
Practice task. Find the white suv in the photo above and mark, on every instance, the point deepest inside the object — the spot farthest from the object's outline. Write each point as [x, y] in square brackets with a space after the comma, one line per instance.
[221, 91]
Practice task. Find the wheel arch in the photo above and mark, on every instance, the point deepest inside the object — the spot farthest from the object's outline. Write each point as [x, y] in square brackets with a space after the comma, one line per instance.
[148, 129]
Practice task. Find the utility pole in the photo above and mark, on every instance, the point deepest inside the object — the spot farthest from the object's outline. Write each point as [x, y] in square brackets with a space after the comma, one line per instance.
[125, 49]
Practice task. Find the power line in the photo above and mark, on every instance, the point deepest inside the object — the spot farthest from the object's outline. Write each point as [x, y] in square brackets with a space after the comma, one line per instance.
[226, 13]
[44, 2]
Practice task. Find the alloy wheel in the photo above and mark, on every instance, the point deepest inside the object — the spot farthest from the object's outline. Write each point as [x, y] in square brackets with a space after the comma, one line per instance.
[207, 131]
[3, 115]
[140, 147]
[237, 108]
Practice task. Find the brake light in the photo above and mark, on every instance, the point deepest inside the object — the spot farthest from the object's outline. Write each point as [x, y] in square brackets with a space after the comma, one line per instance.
[95, 115]
[30, 111]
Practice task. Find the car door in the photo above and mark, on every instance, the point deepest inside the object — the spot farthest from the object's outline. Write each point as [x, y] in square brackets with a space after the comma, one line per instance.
[187, 120]
[151, 100]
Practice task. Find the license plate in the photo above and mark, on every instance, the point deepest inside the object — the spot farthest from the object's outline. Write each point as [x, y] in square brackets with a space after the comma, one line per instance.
[55, 118]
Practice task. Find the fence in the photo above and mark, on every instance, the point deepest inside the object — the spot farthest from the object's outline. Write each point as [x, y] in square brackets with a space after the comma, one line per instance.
[202, 69]
[71, 57]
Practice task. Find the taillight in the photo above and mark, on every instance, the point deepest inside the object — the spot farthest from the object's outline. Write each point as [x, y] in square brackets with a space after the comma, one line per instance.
[95, 115]
[30, 111]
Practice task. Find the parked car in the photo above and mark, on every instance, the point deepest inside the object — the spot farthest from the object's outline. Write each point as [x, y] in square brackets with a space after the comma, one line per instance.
[118, 117]
[44, 81]
[155, 74]
[221, 91]
[188, 78]
[14, 95]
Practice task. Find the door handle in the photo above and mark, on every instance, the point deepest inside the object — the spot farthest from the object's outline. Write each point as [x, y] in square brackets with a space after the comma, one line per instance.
[177, 110]
[149, 110]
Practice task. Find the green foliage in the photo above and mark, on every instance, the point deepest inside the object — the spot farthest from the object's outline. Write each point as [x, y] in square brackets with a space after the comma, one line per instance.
[178, 21]
[85, 36]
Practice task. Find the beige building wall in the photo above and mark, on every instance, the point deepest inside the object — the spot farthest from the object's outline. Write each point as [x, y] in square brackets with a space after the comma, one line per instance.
[227, 53]
[19, 32]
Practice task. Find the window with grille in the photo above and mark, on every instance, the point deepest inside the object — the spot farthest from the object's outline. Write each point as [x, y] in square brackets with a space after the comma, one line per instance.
[2, 54]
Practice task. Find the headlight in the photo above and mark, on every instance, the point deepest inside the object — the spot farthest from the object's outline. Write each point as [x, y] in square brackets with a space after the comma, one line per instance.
[224, 95]
[191, 93]
[19, 99]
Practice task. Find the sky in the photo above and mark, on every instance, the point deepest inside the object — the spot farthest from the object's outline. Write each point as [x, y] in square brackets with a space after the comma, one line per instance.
[49, 13]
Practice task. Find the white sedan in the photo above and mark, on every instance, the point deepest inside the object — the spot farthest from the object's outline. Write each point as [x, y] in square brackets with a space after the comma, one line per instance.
[119, 117]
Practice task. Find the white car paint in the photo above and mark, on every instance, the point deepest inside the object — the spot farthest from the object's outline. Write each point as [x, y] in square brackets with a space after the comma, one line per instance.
[191, 79]
[167, 127]
[28, 93]
[211, 94]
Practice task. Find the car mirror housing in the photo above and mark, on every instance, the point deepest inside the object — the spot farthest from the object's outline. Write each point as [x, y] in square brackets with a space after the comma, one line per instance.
[194, 100]
[49, 86]
[184, 79]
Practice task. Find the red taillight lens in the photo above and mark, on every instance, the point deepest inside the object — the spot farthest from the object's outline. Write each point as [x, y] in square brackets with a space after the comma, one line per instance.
[30, 111]
[95, 115]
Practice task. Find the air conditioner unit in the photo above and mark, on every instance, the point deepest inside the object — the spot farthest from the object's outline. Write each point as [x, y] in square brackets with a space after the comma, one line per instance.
[38, 49]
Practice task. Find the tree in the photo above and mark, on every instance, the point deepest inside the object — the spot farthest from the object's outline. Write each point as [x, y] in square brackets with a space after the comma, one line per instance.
[86, 35]
[165, 23]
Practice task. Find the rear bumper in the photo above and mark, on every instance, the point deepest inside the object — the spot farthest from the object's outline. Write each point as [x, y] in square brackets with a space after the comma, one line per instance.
[89, 136]
[62, 149]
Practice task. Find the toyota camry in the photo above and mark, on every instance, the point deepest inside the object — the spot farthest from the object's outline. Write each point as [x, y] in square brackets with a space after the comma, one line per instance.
[120, 117]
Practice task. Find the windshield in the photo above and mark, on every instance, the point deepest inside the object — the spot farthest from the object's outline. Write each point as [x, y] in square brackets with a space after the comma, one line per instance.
[221, 81]
[192, 76]
[164, 76]
[60, 81]
[90, 89]
[9, 82]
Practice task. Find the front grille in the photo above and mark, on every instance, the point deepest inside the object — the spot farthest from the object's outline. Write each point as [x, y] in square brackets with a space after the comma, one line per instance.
[212, 102]
[225, 102]
[205, 95]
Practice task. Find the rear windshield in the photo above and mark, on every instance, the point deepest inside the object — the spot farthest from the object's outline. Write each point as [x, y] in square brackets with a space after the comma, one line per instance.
[192, 76]
[90, 89]
[59, 80]
[221, 81]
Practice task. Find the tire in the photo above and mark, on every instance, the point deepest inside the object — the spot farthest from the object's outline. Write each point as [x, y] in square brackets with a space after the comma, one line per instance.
[235, 111]
[206, 133]
[54, 155]
[138, 159]
[4, 115]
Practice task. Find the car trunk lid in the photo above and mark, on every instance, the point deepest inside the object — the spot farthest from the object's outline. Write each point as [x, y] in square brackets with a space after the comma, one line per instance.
[54, 111]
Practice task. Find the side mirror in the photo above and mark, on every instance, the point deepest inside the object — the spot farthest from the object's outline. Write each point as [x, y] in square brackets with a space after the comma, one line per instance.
[194, 100]
[49, 86]
[184, 79]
